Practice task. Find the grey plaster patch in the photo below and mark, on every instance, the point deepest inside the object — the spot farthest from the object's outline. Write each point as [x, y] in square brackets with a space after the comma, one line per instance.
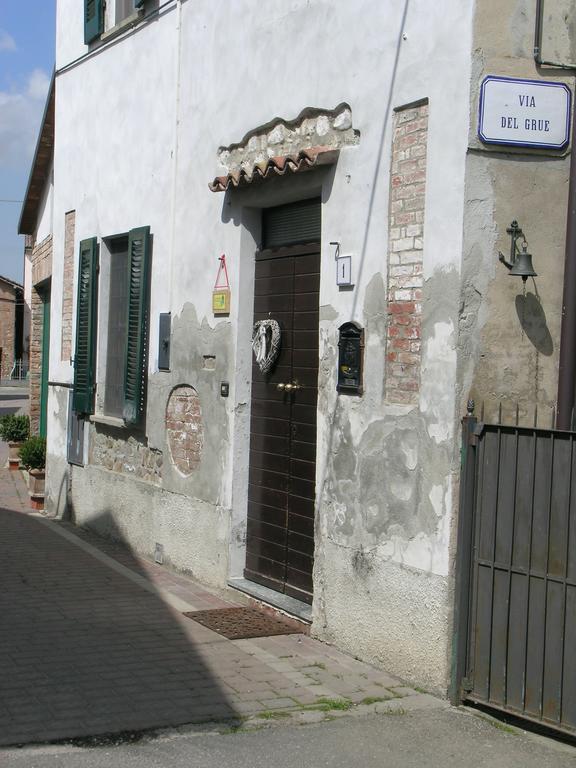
[193, 342]
[328, 313]
[376, 306]
[379, 481]
[506, 347]
[377, 488]
[385, 503]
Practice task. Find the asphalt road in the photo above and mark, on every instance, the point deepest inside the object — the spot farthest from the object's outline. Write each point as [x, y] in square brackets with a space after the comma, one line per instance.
[426, 739]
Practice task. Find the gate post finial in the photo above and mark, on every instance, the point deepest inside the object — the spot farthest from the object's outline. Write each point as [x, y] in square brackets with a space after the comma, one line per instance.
[470, 405]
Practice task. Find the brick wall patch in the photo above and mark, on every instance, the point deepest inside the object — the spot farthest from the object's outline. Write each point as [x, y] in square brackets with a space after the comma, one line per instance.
[8, 298]
[405, 254]
[68, 285]
[41, 271]
[184, 429]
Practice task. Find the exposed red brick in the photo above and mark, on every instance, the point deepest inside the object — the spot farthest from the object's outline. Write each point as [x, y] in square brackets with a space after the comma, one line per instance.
[41, 271]
[406, 219]
[9, 295]
[184, 428]
[68, 285]
[400, 307]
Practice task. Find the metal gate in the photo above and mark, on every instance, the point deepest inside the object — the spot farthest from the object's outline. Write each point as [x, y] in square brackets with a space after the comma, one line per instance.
[516, 577]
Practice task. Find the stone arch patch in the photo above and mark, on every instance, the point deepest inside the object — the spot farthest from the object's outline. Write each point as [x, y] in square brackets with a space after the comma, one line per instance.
[184, 428]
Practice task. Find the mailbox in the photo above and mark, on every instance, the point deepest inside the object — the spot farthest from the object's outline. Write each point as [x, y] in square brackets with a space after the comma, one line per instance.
[350, 354]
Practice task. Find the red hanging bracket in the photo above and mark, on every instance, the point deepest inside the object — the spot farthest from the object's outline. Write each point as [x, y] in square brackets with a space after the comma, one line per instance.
[222, 271]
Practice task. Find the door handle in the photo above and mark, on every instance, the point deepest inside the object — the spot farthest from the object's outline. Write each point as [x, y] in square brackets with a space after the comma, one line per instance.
[281, 387]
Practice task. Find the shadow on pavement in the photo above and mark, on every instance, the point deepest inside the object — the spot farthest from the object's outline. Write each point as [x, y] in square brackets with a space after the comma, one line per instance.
[85, 650]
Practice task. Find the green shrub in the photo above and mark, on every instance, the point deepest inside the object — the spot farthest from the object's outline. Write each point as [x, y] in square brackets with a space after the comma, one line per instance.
[14, 429]
[33, 452]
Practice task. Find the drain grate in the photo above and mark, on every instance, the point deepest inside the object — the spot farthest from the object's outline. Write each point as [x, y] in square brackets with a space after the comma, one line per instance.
[242, 623]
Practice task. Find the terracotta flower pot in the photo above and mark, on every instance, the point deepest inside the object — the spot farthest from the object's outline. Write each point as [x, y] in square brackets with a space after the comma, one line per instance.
[36, 479]
[14, 455]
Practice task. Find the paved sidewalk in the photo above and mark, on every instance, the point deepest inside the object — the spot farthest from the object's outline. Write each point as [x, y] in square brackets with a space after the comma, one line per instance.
[93, 641]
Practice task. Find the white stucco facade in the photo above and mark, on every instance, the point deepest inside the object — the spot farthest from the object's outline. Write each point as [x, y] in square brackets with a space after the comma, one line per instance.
[140, 118]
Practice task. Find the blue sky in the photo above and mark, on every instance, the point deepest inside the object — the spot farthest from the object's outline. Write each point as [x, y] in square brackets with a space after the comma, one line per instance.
[26, 61]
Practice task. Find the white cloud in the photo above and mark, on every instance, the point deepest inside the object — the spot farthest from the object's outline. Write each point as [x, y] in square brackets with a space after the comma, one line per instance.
[7, 42]
[38, 83]
[20, 115]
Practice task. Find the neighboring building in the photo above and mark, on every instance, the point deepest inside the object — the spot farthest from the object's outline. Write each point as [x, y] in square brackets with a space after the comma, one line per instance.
[28, 243]
[11, 327]
[36, 223]
[289, 137]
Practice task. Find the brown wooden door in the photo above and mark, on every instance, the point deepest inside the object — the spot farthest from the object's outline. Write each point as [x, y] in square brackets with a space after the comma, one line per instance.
[281, 492]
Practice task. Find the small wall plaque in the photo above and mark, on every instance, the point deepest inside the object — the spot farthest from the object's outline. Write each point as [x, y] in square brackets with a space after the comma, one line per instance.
[350, 354]
[221, 301]
[221, 292]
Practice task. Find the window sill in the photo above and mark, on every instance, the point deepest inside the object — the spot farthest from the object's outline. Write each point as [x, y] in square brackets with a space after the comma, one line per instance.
[122, 26]
[109, 421]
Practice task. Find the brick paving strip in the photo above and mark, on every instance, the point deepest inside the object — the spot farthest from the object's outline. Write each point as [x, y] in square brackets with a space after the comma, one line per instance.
[93, 642]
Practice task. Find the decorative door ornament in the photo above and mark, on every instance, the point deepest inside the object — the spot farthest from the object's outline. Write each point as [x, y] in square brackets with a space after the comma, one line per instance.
[266, 337]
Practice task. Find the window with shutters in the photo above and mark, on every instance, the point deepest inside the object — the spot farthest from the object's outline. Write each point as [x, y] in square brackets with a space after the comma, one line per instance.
[84, 379]
[105, 16]
[117, 325]
[120, 332]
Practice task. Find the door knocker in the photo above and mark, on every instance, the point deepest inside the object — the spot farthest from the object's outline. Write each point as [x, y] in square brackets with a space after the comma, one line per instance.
[266, 336]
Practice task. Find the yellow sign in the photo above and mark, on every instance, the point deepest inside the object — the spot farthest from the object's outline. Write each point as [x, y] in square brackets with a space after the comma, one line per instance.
[221, 301]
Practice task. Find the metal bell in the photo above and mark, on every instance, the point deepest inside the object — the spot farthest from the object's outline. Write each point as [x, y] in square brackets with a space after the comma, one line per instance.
[522, 266]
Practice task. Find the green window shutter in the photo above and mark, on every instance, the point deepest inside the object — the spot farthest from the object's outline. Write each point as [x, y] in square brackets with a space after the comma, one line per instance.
[83, 398]
[93, 19]
[137, 325]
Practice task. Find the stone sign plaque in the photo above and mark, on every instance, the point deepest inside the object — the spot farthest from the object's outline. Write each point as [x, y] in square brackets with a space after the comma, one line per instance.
[524, 113]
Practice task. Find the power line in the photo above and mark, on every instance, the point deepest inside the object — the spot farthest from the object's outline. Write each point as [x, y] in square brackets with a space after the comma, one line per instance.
[3, 200]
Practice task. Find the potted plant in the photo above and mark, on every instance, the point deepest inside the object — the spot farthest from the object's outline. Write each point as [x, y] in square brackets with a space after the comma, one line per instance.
[14, 430]
[33, 457]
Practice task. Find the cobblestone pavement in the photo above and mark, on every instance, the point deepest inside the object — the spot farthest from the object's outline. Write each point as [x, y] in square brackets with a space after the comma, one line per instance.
[93, 642]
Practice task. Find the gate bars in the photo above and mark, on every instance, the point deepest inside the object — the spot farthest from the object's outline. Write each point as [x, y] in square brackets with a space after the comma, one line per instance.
[515, 608]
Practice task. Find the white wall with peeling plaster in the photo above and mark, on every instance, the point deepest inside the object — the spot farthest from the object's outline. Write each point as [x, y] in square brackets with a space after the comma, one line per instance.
[139, 125]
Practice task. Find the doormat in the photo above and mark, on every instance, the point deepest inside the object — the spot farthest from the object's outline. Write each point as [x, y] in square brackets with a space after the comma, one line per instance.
[242, 623]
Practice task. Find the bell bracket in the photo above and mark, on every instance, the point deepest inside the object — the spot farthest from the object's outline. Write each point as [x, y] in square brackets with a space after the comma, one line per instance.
[520, 263]
[515, 233]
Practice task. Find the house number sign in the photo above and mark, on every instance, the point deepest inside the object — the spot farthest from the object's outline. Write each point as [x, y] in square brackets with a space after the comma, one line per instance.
[344, 270]
[524, 113]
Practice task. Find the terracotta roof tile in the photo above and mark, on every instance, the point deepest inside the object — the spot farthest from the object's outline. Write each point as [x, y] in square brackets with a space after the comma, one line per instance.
[296, 163]
[39, 173]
